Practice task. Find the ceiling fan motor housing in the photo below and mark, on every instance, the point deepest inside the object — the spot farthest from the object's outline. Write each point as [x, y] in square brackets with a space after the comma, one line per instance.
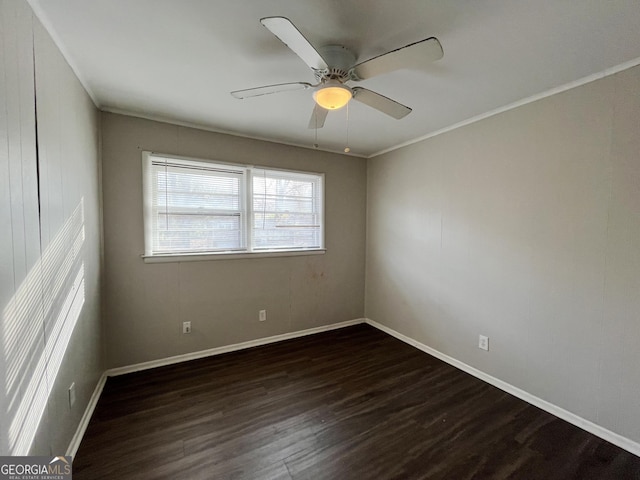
[340, 61]
[334, 67]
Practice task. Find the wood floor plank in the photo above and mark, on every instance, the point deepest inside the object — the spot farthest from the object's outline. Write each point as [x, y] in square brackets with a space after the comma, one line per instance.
[353, 403]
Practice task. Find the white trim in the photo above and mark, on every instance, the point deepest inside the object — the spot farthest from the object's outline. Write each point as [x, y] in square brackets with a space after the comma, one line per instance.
[196, 161]
[72, 449]
[612, 437]
[247, 208]
[114, 372]
[207, 128]
[153, 162]
[147, 207]
[38, 11]
[587, 425]
[534, 98]
[201, 257]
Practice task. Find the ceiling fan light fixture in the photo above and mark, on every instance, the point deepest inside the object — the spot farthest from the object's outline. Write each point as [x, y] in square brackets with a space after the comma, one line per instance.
[333, 95]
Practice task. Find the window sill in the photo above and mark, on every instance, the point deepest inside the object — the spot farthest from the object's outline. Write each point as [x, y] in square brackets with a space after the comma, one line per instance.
[203, 257]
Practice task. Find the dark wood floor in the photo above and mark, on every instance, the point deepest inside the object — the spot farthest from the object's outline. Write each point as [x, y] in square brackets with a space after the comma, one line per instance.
[353, 403]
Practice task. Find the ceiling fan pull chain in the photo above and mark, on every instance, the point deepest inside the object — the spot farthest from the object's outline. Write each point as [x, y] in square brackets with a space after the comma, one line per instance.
[315, 114]
[346, 148]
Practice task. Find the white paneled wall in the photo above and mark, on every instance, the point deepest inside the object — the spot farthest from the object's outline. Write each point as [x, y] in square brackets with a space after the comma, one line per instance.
[20, 286]
[49, 240]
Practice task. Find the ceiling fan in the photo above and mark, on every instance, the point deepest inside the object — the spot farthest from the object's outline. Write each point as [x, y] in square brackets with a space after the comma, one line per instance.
[334, 66]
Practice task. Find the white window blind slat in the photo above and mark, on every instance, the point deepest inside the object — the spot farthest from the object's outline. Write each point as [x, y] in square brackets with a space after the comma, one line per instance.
[195, 209]
[287, 210]
[195, 206]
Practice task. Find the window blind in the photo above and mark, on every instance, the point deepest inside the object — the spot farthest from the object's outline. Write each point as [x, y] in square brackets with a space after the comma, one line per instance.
[195, 208]
[287, 210]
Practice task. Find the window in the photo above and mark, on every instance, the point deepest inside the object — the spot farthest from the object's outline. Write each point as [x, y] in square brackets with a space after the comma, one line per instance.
[198, 207]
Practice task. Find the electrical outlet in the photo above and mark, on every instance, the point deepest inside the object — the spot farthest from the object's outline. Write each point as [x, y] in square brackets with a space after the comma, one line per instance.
[262, 315]
[186, 327]
[483, 343]
[72, 394]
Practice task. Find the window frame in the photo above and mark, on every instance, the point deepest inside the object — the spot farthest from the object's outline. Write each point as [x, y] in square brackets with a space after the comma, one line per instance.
[247, 213]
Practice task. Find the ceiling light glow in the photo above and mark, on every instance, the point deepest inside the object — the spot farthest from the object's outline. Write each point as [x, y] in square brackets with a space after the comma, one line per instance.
[333, 95]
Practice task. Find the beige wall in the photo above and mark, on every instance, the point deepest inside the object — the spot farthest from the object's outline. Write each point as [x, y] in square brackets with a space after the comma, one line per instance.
[524, 227]
[49, 240]
[147, 303]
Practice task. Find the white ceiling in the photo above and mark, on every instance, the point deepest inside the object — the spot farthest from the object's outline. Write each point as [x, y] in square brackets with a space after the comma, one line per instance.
[178, 59]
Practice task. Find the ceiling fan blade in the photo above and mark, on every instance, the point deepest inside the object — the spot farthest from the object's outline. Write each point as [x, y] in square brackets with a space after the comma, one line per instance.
[289, 35]
[269, 89]
[414, 55]
[318, 117]
[381, 103]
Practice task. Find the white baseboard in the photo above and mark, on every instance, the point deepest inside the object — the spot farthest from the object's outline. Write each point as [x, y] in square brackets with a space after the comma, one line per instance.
[113, 372]
[86, 417]
[622, 442]
[559, 412]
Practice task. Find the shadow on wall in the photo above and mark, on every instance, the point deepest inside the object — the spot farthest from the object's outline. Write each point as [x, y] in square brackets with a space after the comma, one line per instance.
[37, 324]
